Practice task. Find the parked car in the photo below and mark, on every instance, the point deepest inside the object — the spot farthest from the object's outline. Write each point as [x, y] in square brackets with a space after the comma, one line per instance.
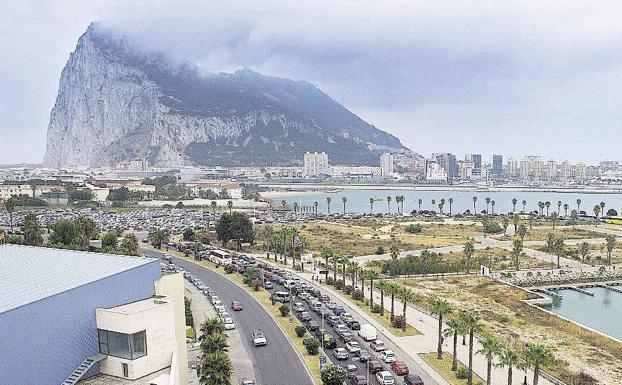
[353, 346]
[229, 324]
[236, 305]
[247, 381]
[375, 366]
[399, 368]
[388, 356]
[259, 339]
[377, 346]
[340, 354]
[385, 378]
[413, 379]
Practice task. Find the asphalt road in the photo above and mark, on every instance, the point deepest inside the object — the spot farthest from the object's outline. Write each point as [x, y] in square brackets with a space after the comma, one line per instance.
[275, 364]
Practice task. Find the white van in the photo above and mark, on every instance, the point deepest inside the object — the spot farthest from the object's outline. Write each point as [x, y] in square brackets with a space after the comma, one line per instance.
[367, 332]
[281, 296]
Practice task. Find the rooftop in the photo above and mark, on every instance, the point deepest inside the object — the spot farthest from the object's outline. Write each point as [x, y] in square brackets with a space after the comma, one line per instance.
[29, 274]
[140, 306]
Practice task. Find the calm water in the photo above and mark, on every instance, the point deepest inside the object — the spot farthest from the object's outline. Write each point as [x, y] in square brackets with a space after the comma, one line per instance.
[601, 312]
[358, 200]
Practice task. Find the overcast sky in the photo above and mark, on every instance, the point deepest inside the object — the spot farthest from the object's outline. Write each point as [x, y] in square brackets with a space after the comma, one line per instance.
[516, 78]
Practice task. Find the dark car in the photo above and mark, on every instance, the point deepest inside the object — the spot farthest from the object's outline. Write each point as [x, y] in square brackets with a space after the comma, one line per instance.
[358, 379]
[355, 325]
[312, 325]
[363, 355]
[413, 379]
[375, 366]
[332, 320]
[350, 370]
[305, 316]
[338, 310]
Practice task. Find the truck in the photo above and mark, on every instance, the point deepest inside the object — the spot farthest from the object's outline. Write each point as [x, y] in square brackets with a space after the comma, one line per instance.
[367, 332]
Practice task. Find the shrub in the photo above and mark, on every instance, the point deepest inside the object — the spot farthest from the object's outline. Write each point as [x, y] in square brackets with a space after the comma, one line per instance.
[256, 284]
[348, 289]
[375, 308]
[284, 309]
[300, 331]
[357, 295]
[312, 345]
[492, 228]
[330, 281]
[413, 229]
[398, 321]
[462, 373]
[339, 284]
[229, 268]
[380, 250]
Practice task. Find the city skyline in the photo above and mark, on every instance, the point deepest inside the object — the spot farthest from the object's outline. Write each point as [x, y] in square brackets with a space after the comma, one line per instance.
[485, 92]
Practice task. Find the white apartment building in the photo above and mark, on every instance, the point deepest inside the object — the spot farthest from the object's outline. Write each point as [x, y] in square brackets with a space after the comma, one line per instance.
[356, 171]
[315, 164]
[386, 164]
[434, 172]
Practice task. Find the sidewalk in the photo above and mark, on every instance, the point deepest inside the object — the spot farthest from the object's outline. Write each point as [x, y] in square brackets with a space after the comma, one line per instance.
[240, 360]
[427, 342]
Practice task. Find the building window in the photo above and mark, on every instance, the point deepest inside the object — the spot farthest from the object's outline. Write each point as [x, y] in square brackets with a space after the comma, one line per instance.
[126, 370]
[121, 345]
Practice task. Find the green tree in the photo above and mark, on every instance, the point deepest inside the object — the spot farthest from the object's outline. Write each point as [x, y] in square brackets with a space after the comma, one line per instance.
[584, 250]
[312, 345]
[109, 241]
[522, 231]
[596, 210]
[157, 237]
[517, 249]
[371, 275]
[394, 251]
[574, 217]
[510, 358]
[211, 326]
[9, 205]
[129, 244]
[550, 242]
[64, 232]
[553, 218]
[333, 375]
[560, 250]
[382, 286]
[440, 307]
[516, 222]
[328, 200]
[216, 369]
[33, 233]
[611, 244]
[392, 289]
[189, 235]
[469, 250]
[505, 222]
[472, 325]
[491, 347]
[538, 355]
[407, 296]
[215, 342]
[236, 226]
[454, 329]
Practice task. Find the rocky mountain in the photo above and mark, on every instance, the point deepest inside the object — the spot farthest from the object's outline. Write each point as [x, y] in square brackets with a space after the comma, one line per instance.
[118, 102]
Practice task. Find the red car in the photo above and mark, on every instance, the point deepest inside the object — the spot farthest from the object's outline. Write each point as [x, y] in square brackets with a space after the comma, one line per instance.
[236, 305]
[399, 368]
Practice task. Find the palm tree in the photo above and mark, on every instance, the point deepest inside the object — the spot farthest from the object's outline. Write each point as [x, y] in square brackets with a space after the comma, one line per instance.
[491, 347]
[335, 260]
[230, 206]
[524, 202]
[538, 355]
[611, 243]
[315, 206]
[565, 210]
[392, 289]
[516, 252]
[216, 369]
[354, 269]
[522, 231]
[602, 208]
[492, 204]
[579, 206]
[407, 296]
[505, 222]
[326, 253]
[433, 204]
[547, 204]
[382, 286]
[439, 307]
[454, 327]
[394, 251]
[474, 209]
[389, 204]
[487, 200]
[584, 250]
[344, 200]
[510, 358]
[158, 237]
[541, 206]
[450, 201]
[559, 207]
[213, 343]
[371, 275]
[328, 200]
[363, 273]
[283, 204]
[419, 202]
[560, 250]
[514, 202]
[469, 249]
[211, 326]
[516, 222]
[214, 204]
[295, 210]
[344, 262]
[371, 205]
[531, 218]
[472, 325]
[596, 212]
[9, 205]
[553, 218]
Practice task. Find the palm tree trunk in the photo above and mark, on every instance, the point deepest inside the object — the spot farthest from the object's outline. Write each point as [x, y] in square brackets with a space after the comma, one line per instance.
[392, 306]
[536, 373]
[439, 350]
[404, 317]
[371, 293]
[470, 377]
[363, 289]
[454, 359]
[510, 375]
[489, 373]
[382, 303]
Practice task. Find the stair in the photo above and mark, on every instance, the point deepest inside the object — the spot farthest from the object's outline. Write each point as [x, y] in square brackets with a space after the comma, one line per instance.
[83, 368]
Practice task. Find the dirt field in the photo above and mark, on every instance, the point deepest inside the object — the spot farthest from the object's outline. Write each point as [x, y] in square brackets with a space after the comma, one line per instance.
[501, 259]
[565, 233]
[501, 308]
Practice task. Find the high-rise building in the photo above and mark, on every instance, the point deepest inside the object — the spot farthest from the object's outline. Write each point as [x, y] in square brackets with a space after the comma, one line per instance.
[566, 170]
[448, 162]
[475, 158]
[512, 168]
[434, 171]
[315, 164]
[386, 164]
[581, 171]
[551, 170]
[497, 166]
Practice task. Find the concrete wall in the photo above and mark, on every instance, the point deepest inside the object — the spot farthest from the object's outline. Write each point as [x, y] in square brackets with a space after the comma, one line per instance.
[43, 342]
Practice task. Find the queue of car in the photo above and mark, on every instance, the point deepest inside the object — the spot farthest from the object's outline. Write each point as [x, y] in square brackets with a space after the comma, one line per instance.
[339, 330]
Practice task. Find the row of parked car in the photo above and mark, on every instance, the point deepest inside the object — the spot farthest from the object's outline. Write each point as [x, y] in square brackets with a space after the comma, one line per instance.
[339, 326]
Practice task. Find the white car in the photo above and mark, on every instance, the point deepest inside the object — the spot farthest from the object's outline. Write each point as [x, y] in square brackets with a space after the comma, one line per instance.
[385, 378]
[299, 307]
[377, 346]
[388, 356]
[340, 354]
[353, 346]
[259, 339]
[219, 309]
[346, 317]
[341, 328]
[224, 315]
[217, 303]
[229, 324]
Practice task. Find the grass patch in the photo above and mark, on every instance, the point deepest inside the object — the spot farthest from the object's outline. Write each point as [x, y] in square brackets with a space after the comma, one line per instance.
[443, 367]
[190, 333]
[386, 321]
